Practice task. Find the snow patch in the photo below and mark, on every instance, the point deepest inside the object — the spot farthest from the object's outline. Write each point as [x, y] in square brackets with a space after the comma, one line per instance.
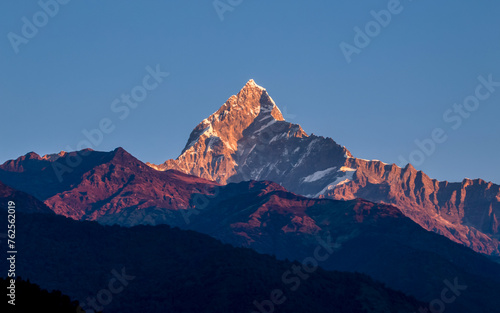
[265, 126]
[318, 175]
[251, 149]
[347, 169]
[256, 173]
[251, 82]
[371, 161]
[309, 149]
[277, 137]
[347, 177]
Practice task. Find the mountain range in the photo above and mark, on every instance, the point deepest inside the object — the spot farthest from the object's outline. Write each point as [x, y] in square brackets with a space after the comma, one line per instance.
[115, 188]
[247, 138]
[251, 179]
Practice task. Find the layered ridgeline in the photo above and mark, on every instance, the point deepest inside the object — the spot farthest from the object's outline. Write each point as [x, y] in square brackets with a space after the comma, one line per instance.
[23, 202]
[248, 139]
[160, 269]
[112, 185]
[375, 239]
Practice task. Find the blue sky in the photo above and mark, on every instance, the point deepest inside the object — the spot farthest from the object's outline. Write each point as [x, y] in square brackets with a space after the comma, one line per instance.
[395, 91]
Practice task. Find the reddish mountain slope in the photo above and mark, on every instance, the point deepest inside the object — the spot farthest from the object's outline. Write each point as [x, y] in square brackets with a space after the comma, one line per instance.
[466, 212]
[105, 183]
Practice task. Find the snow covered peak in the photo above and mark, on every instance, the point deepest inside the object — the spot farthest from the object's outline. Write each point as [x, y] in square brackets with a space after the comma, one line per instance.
[251, 102]
[226, 125]
[219, 144]
[251, 84]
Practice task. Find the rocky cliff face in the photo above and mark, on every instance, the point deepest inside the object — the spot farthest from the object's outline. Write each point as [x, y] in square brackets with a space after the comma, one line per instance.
[465, 212]
[247, 139]
[219, 147]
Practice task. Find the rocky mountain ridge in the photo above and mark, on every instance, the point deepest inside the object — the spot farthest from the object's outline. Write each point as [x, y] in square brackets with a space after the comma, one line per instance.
[248, 139]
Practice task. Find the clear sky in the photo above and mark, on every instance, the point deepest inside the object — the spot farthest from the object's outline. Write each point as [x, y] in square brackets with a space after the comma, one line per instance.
[396, 89]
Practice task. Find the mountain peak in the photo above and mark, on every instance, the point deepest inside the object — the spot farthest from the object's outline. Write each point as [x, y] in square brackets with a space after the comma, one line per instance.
[226, 125]
[122, 156]
[255, 100]
[251, 84]
[247, 122]
[120, 150]
[32, 155]
[54, 156]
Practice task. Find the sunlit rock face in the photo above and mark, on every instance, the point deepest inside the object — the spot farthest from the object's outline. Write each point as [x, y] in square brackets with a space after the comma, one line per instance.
[247, 138]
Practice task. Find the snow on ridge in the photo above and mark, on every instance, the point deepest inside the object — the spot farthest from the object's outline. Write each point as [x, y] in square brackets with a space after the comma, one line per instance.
[265, 117]
[194, 141]
[304, 155]
[267, 125]
[318, 175]
[252, 83]
[374, 160]
[268, 108]
[210, 134]
[347, 169]
[265, 109]
[278, 137]
[347, 177]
